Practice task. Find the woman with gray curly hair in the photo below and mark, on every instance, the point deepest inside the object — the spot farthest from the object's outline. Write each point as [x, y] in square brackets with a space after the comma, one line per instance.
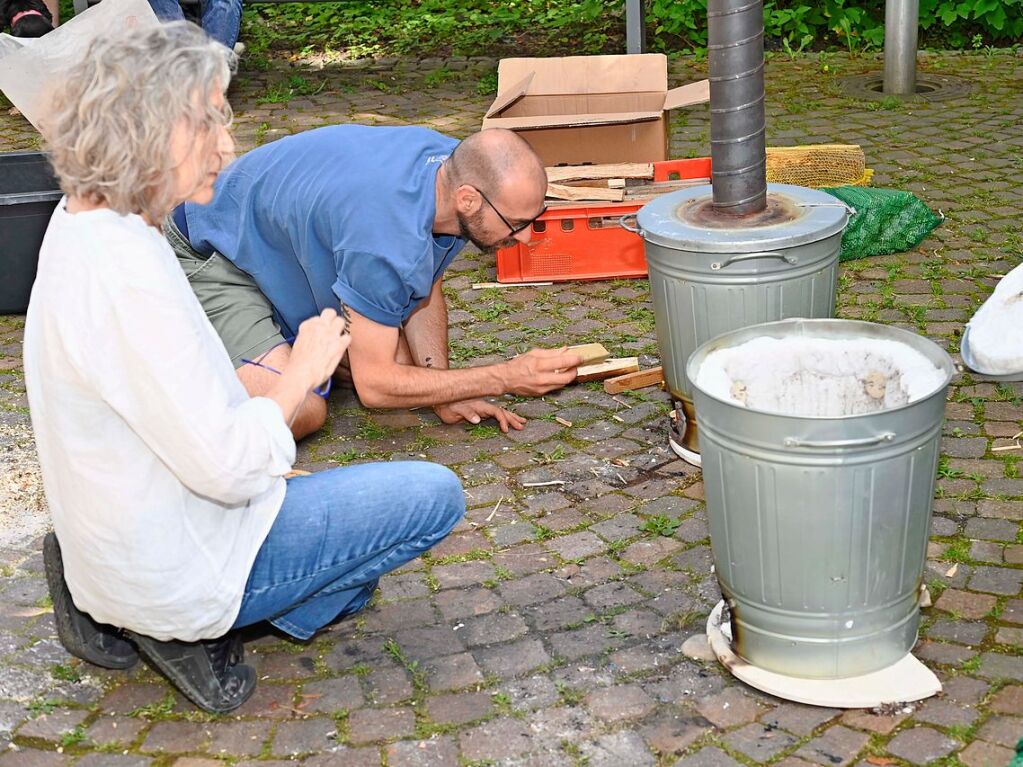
[165, 480]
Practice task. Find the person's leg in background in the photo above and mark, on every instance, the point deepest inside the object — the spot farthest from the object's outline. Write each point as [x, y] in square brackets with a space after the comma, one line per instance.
[167, 10]
[338, 532]
[221, 20]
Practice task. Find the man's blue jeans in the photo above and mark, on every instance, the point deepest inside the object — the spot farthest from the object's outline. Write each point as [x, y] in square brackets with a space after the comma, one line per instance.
[220, 18]
[338, 532]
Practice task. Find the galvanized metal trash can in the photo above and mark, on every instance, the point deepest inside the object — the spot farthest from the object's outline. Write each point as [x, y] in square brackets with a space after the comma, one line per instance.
[819, 525]
[710, 274]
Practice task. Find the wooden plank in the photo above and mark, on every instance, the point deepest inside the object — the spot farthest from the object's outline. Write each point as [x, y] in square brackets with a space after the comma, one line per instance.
[616, 183]
[575, 193]
[607, 369]
[591, 353]
[489, 285]
[630, 381]
[607, 170]
[642, 191]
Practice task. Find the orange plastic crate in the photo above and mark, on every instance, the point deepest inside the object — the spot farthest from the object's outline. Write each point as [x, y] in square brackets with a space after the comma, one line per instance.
[586, 241]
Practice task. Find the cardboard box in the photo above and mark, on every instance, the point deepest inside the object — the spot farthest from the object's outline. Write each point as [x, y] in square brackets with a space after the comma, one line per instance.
[591, 109]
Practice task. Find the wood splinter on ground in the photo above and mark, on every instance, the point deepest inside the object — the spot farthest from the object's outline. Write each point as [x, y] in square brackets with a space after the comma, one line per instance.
[491, 285]
[630, 381]
[563, 421]
[607, 369]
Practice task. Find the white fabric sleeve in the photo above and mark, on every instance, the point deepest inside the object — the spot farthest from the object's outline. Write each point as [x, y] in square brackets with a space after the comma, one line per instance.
[173, 385]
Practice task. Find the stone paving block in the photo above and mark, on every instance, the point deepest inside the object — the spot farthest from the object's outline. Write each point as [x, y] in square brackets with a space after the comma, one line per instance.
[759, 743]
[997, 580]
[1002, 730]
[388, 685]
[965, 604]
[965, 689]
[963, 632]
[497, 739]
[710, 756]
[435, 752]
[237, 738]
[274, 701]
[452, 672]
[330, 695]
[114, 730]
[648, 551]
[368, 725]
[837, 746]
[113, 760]
[557, 614]
[1013, 612]
[456, 604]
[304, 736]
[729, 708]
[577, 545]
[614, 704]
[921, 745]
[616, 749]
[513, 659]
[462, 574]
[946, 714]
[998, 666]
[176, 737]
[492, 628]
[53, 725]
[982, 754]
[1008, 700]
[349, 757]
[459, 708]
[531, 589]
[429, 642]
[944, 652]
[611, 595]
[588, 640]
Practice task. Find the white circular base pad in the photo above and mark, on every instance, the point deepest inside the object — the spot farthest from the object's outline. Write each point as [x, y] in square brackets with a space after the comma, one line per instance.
[905, 680]
[693, 459]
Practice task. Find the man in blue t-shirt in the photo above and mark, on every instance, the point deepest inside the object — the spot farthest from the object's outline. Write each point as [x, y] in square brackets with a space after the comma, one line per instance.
[368, 218]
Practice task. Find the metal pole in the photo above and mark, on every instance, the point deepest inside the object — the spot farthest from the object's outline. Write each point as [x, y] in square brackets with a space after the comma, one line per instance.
[635, 27]
[901, 22]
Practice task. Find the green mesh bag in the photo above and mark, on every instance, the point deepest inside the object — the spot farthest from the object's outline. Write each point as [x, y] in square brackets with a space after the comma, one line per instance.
[886, 221]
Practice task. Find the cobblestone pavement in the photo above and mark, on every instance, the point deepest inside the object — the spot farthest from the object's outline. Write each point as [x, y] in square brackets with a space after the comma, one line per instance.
[546, 630]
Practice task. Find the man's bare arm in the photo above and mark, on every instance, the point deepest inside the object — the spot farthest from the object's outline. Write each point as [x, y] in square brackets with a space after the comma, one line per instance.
[382, 382]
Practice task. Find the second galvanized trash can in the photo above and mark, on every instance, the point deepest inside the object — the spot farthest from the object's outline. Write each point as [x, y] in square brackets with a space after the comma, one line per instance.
[820, 443]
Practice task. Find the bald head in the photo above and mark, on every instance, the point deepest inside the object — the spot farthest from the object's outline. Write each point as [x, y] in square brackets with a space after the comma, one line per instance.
[494, 159]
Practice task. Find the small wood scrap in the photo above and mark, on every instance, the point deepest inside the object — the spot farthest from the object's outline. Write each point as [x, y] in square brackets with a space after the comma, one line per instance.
[563, 421]
[606, 170]
[489, 285]
[580, 193]
[550, 483]
[616, 183]
[630, 381]
[1014, 446]
[499, 502]
[591, 353]
[607, 369]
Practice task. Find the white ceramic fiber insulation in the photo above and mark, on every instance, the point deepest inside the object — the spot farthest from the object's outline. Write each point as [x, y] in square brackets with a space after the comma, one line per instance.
[996, 343]
[824, 377]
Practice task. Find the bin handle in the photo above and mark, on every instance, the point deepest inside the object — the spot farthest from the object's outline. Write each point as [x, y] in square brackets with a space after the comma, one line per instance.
[786, 257]
[887, 436]
[634, 229]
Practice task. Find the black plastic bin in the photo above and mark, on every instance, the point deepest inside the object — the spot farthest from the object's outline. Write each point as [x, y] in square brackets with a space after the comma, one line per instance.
[28, 194]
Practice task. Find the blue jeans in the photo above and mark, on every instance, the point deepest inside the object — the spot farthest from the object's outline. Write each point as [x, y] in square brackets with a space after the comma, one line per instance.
[220, 18]
[338, 532]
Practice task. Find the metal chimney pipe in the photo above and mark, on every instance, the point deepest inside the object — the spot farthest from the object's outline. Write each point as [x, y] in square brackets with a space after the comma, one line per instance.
[737, 122]
[901, 22]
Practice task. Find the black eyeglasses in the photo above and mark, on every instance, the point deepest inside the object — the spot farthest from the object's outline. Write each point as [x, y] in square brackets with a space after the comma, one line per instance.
[514, 229]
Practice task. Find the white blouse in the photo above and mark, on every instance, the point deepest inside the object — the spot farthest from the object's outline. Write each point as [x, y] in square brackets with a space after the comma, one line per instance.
[162, 475]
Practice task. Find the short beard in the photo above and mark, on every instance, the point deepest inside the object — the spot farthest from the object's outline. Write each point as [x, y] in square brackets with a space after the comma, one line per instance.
[469, 228]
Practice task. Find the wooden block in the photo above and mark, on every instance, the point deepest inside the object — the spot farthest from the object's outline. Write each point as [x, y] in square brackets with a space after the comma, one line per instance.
[607, 170]
[591, 353]
[630, 381]
[607, 369]
[616, 183]
[565, 192]
[489, 285]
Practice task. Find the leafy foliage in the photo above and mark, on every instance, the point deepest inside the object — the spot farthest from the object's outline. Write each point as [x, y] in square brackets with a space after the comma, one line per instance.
[563, 27]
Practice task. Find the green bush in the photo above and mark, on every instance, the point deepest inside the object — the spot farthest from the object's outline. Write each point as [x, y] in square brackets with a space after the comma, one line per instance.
[561, 27]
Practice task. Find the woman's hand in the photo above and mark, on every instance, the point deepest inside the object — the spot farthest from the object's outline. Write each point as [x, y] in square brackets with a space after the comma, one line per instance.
[319, 346]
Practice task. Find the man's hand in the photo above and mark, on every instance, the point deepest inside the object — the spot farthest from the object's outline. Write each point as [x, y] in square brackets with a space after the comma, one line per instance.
[539, 371]
[475, 410]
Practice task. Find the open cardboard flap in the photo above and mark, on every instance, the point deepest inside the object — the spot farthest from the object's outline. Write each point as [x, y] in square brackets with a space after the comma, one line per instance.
[687, 95]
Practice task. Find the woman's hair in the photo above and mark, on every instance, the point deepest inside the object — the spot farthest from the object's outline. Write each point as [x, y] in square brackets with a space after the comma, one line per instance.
[109, 131]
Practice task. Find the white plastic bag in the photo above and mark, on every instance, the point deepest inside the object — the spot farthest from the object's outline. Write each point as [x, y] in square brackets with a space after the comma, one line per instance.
[29, 68]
